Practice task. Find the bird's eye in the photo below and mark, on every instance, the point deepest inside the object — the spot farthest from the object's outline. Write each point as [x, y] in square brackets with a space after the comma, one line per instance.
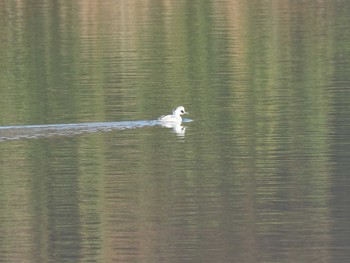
[182, 111]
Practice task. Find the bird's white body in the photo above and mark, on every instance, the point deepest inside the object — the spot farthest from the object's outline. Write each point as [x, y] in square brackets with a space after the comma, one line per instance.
[175, 117]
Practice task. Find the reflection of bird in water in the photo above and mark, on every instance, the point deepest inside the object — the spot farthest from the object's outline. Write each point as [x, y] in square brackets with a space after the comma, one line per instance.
[175, 117]
[176, 126]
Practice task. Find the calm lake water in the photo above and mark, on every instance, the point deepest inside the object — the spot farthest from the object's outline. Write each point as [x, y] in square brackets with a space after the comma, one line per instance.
[261, 174]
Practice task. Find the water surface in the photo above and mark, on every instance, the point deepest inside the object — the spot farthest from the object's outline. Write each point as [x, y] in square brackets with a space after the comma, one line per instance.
[260, 175]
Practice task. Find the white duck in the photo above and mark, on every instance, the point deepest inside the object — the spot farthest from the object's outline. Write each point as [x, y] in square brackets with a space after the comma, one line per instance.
[175, 118]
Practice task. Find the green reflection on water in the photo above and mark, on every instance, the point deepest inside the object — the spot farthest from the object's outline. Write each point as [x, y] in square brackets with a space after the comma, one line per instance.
[265, 84]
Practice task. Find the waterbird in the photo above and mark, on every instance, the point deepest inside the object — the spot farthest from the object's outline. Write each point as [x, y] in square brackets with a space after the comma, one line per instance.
[175, 117]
